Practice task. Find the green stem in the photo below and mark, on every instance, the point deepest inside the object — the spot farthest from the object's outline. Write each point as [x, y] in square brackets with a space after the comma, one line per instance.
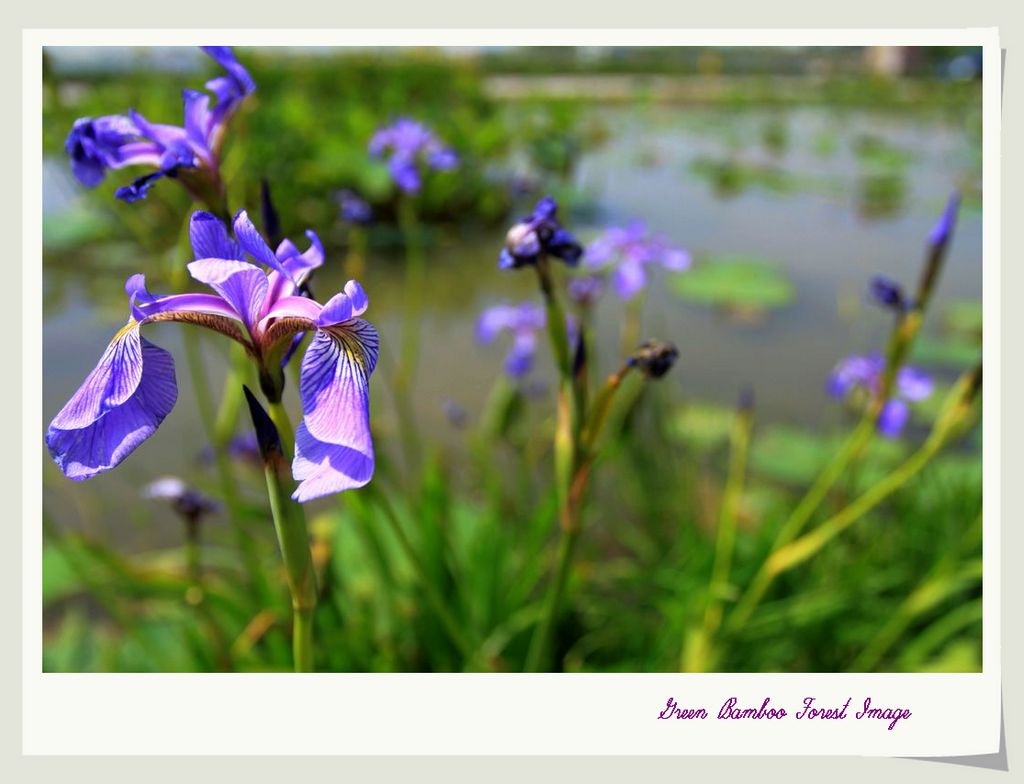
[293, 538]
[536, 658]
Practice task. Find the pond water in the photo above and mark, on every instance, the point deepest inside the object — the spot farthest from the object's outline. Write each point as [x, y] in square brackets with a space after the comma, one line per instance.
[814, 223]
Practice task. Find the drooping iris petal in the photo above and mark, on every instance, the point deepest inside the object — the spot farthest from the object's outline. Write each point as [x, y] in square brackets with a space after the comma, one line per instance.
[322, 468]
[241, 284]
[145, 305]
[334, 448]
[119, 405]
[210, 238]
[893, 417]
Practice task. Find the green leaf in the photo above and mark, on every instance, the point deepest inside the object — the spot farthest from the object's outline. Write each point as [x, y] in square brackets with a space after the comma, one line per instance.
[736, 282]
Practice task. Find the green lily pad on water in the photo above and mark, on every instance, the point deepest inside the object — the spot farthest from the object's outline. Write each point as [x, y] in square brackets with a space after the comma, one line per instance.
[793, 455]
[703, 426]
[952, 352]
[737, 283]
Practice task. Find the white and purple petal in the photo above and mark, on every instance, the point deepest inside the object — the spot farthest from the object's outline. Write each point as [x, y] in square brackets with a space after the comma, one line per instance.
[334, 447]
[242, 285]
[119, 405]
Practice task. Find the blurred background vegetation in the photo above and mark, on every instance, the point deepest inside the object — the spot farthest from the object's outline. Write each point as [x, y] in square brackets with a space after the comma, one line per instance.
[791, 175]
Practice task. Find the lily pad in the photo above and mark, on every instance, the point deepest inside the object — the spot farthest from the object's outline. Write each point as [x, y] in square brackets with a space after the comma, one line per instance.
[793, 455]
[952, 352]
[703, 426]
[739, 283]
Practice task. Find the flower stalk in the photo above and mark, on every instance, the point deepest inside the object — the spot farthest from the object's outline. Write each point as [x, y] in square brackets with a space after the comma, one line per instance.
[955, 418]
[698, 654]
[292, 535]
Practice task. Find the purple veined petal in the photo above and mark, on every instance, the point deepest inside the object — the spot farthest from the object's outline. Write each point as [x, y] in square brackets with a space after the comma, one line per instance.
[225, 57]
[164, 135]
[334, 447]
[300, 264]
[145, 305]
[197, 118]
[180, 154]
[893, 418]
[294, 307]
[136, 154]
[345, 306]
[628, 279]
[242, 285]
[323, 468]
[119, 405]
[210, 238]
[252, 242]
[914, 384]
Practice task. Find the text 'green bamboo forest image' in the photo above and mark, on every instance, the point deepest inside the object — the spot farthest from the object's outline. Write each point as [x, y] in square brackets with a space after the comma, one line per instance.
[512, 359]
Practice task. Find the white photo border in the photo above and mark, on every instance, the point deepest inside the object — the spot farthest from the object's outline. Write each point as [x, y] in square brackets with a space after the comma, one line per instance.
[485, 714]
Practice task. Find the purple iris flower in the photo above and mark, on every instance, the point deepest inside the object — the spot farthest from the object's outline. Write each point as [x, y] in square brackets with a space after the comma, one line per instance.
[354, 209]
[116, 141]
[538, 234]
[132, 389]
[865, 373]
[409, 143]
[627, 252]
[524, 321]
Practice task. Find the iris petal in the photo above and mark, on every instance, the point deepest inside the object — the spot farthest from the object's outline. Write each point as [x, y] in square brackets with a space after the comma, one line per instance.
[334, 448]
[210, 238]
[241, 284]
[119, 405]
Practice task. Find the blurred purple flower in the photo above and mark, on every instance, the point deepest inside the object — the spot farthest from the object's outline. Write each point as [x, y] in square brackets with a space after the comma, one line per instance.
[627, 251]
[409, 143]
[536, 234]
[455, 413]
[186, 501]
[354, 209]
[116, 141]
[865, 373]
[942, 230]
[524, 321]
[585, 289]
[132, 389]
